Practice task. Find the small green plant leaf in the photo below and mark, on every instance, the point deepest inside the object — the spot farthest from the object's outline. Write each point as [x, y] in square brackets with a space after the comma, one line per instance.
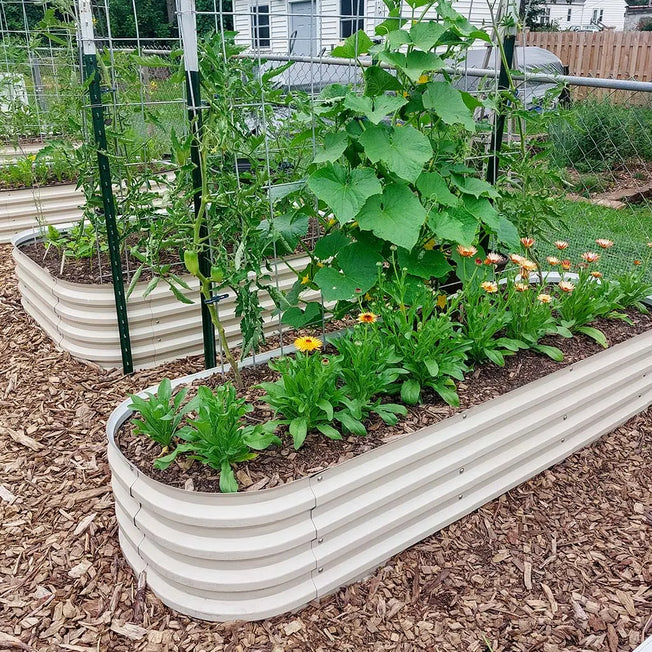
[423, 263]
[377, 108]
[329, 431]
[344, 191]
[350, 424]
[334, 146]
[426, 35]
[551, 351]
[355, 45]
[433, 186]
[298, 429]
[379, 81]
[404, 150]
[594, 334]
[447, 102]
[455, 225]
[228, 483]
[396, 216]
[432, 367]
[410, 392]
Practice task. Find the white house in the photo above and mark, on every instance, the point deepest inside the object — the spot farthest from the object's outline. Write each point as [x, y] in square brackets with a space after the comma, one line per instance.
[311, 27]
[574, 14]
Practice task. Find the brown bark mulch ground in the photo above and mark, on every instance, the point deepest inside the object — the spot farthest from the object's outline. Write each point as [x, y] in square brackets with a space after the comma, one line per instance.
[563, 562]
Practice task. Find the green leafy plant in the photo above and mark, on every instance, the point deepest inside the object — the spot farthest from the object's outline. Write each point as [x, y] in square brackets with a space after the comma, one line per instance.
[308, 397]
[432, 347]
[485, 316]
[218, 437]
[392, 174]
[161, 413]
[369, 367]
[532, 319]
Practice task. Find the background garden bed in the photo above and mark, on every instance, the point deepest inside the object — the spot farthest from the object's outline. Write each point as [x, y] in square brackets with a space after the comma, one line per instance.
[81, 318]
[32, 207]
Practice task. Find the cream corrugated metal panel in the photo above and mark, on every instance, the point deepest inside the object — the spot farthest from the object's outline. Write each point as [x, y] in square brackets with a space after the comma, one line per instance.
[372, 506]
[645, 646]
[24, 209]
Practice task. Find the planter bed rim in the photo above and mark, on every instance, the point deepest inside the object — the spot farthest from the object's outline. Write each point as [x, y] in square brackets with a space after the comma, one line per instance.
[122, 413]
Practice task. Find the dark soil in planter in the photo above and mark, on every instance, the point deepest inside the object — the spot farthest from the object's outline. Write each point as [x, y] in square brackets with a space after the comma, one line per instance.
[95, 270]
[4, 186]
[280, 465]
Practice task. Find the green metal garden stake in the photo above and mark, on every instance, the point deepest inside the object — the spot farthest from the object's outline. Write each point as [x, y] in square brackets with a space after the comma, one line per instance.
[188, 29]
[91, 75]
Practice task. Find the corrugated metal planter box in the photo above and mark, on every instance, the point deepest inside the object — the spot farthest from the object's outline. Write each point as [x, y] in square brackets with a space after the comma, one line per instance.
[81, 319]
[256, 555]
[28, 209]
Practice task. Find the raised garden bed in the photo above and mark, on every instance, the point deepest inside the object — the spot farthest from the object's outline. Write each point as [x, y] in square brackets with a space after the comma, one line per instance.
[257, 554]
[81, 318]
[32, 207]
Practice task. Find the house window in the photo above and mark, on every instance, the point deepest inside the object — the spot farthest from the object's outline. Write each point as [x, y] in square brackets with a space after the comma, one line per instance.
[260, 36]
[569, 15]
[352, 17]
[597, 15]
[544, 18]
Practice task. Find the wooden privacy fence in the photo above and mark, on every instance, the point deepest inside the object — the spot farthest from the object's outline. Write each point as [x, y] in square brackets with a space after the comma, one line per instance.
[608, 54]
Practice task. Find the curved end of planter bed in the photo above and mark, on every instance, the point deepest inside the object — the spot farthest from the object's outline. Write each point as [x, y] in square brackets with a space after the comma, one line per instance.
[81, 318]
[255, 555]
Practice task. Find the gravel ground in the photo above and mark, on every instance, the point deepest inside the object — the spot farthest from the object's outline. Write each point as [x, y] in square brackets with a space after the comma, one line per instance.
[563, 562]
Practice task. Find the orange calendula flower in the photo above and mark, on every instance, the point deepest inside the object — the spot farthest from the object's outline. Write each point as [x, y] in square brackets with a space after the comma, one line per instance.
[649, 244]
[466, 252]
[566, 264]
[527, 242]
[517, 259]
[637, 262]
[489, 286]
[596, 274]
[566, 286]
[493, 259]
[528, 265]
[603, 243]
[553, 261]
[367, 317]
[561, 244]
[544, 298]
[521, 287]
[308, 343]
[590, 257]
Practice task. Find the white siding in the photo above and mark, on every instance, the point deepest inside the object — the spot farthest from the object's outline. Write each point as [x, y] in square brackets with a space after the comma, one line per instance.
[477, 11]
[582, 13]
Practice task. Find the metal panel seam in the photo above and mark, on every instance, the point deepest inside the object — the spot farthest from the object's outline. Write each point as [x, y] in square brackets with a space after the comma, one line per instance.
[315, 540]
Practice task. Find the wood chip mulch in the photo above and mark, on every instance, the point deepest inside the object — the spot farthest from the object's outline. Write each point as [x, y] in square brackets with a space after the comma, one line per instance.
[563, 562]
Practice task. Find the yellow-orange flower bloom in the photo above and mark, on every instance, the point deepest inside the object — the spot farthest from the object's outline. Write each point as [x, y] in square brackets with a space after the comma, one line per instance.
[566, 264]
[367, 317]
[528, 265]
[590, 257]
[545, 298]
[604, 243]
[527, 242]
[489, 286]
[596, 274]
[517, 259]
[430, 244]
[308, 343]
[637, 262]
[561, 244]
[441, 301]
[566, 286]
[305, 280]
[553, 261]
[493, 259]
[466, 252]
[521, 287]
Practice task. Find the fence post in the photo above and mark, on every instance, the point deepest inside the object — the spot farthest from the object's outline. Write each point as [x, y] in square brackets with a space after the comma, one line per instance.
[187, 21]
[506, 62]
[91, 76]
